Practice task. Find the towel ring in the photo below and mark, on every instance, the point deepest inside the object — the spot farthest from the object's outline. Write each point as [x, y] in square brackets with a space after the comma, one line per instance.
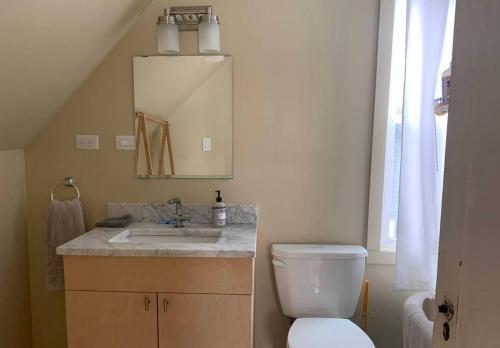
[68, 182]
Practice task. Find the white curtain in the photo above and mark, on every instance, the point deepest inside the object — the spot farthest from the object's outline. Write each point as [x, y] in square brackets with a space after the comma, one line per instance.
[422, 160]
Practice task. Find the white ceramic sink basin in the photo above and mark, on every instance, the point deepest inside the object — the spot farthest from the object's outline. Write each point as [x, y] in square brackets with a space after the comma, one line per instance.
[167, 235]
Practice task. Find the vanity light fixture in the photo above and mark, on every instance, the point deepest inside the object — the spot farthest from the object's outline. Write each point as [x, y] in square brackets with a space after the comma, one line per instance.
[167, 34]
[209, 33]
[189, 18]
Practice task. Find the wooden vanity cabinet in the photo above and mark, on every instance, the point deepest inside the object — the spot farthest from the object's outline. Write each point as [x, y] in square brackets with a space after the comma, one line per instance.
[132, 302]
[111, 319]
[204, 320]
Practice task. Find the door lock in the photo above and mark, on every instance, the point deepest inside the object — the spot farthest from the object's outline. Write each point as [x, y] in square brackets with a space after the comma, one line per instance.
[446, 331]
[446, 308]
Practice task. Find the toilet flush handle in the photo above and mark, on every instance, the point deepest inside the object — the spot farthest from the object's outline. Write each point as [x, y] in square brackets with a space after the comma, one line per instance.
[279, 263]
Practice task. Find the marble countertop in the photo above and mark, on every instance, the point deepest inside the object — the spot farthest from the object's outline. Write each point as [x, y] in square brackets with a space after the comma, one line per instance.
[236, 240]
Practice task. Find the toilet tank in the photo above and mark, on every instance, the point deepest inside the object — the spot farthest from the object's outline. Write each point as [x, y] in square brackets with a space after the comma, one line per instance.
[318, 280]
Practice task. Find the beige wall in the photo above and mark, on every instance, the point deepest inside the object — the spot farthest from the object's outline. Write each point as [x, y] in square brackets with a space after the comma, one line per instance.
[15, 319]
[49, 57]
[303, 78]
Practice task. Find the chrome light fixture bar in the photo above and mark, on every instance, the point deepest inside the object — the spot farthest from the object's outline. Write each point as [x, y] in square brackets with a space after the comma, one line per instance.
[189, 18]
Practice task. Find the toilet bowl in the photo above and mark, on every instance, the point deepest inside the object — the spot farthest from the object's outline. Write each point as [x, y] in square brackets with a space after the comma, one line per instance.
[327, 333]
[320, 286]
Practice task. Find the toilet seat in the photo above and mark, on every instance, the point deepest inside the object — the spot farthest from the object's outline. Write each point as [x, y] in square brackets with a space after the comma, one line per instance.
[327, 333]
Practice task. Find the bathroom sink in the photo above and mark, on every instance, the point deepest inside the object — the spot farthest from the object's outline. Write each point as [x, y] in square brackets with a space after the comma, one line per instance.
[167, 235]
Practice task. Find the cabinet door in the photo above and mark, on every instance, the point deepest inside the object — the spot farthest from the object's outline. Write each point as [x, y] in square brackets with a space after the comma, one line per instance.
[111, 319]
[205, 320]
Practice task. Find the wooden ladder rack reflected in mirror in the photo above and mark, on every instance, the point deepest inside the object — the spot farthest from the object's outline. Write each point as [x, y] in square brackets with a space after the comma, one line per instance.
[165, 137]
[165, 142]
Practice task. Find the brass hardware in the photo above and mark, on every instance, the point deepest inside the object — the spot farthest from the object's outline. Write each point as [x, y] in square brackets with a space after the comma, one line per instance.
[165, 305]
[364, 318]
[147, 301]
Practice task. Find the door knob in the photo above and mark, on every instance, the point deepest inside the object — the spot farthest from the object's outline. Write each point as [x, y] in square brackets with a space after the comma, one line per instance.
[432, 310]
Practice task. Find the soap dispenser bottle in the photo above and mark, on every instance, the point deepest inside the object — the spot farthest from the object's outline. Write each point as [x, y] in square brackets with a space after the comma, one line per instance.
[219, 212]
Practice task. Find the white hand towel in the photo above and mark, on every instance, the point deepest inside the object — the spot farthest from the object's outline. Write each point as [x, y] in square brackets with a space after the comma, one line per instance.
[64, 222]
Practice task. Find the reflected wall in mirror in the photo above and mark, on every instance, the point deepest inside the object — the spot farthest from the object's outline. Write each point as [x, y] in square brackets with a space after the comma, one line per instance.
[183, 116]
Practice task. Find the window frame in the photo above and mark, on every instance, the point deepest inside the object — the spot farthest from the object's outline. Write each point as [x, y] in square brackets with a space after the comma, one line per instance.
[376, 255]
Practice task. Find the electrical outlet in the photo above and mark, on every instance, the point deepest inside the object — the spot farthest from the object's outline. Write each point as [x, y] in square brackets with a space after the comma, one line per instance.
[125, 142]
[87, 142]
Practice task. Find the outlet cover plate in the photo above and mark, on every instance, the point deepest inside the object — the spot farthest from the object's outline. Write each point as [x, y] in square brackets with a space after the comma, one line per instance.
[87, 142]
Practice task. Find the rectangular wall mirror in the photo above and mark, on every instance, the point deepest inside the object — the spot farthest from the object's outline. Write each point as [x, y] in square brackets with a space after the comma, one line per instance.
[183, 116]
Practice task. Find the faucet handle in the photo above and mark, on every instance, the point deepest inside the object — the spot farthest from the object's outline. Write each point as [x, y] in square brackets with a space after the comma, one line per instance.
[181, 218]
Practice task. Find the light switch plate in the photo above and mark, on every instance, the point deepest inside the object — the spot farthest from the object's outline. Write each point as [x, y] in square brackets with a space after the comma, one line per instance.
[125, 142]
[207, 144]
[87, 142]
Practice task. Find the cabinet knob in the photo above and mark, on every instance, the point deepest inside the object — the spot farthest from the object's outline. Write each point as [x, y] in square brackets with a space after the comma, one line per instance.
[147, 301]
[165, 305]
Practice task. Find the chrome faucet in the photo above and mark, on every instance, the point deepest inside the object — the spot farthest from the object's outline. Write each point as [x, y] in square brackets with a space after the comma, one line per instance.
[179, 217]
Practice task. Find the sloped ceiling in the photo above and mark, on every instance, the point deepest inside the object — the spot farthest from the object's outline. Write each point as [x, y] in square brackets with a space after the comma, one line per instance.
[47, 49]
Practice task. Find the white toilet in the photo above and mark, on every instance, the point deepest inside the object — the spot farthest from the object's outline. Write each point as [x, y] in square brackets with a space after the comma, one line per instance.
[320, 286]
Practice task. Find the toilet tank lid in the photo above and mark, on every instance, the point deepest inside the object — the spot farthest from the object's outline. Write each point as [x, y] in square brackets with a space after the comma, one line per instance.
[319, 251]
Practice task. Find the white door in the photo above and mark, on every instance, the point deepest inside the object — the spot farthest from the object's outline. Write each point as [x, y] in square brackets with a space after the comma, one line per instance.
[469, 259]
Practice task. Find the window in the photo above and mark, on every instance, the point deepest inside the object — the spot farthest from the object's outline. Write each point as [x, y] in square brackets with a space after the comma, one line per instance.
[387, 132]
[387, 126]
